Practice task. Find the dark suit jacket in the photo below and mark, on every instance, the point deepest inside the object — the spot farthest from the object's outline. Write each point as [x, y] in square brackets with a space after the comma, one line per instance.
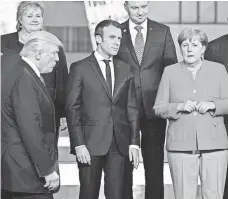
[217, 51]
[11, 41]
[28, 144]
[93, 115]
[159, 52]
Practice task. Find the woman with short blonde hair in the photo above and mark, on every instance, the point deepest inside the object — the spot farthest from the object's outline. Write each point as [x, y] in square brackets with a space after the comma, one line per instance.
[193, 96]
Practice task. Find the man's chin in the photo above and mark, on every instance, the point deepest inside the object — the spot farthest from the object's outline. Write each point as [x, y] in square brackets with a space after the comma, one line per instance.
[114, 53]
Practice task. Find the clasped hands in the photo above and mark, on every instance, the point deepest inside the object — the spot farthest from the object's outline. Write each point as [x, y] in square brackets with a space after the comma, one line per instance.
[201, 107]
[83, 155]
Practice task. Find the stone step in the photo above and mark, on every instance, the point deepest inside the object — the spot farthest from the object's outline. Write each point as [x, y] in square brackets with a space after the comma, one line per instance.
[70, 183]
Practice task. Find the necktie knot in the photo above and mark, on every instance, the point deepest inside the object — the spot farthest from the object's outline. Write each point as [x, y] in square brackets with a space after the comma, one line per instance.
[106, 61]
[138, 28]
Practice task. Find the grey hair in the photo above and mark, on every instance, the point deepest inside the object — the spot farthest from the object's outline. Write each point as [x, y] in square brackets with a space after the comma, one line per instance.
[23, 6]
[190, 33]
[37, 42]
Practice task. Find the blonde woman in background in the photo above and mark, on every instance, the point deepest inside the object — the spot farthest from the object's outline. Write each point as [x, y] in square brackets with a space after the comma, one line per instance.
[30, 18]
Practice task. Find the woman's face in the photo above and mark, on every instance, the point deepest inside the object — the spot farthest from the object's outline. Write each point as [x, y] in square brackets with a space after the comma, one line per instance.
[192, 51]
[32, 20]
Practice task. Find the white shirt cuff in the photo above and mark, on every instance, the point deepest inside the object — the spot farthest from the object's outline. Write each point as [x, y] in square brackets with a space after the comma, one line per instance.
[134, 146]
[79, 146]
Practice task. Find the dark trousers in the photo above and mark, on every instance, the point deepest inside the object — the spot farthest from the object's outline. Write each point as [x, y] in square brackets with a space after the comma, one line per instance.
[152, 146]
[226, 184]
[16, 195]
[114, 165]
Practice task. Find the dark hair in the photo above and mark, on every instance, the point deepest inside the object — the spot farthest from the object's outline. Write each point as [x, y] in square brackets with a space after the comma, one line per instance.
[105, 23]
[190, 33]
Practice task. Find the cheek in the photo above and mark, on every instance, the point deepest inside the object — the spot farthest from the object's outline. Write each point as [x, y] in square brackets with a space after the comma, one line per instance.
[41, 19]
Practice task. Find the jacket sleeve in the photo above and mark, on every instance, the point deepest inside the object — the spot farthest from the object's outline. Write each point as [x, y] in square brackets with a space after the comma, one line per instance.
[222, 103]
[162, 107]
[73, 107]
[212, 51]
[26, 108]
[133, 114]
[170, 56]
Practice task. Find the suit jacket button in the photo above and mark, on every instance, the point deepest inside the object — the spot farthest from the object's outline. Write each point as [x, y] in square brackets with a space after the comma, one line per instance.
[215, 125]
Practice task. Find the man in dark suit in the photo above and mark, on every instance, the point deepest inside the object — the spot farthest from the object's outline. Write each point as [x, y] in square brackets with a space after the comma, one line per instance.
[148, 47]
[217, 51]
[102, 116]
[29, 162]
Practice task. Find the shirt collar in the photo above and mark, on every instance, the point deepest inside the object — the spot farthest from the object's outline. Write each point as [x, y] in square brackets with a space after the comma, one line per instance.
[99, 57]
[132, 24]
[32, 65]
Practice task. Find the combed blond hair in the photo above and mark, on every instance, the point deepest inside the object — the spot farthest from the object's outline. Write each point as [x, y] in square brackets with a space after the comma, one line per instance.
[37, 41]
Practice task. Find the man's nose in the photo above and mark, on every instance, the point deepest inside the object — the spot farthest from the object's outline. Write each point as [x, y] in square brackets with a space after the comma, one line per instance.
[140, 11]
[56, 57]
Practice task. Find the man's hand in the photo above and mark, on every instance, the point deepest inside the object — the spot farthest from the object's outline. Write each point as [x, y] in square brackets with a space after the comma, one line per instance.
[134, 156]
[63, 124]
[203, 107]
[52, 181]
[83, 155]
[188, 106]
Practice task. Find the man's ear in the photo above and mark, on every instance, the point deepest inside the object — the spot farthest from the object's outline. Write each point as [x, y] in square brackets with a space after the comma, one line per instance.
[98, 39]
[38, 54]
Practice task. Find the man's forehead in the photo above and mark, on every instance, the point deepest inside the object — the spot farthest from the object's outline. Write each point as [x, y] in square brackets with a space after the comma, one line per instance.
[112, 30]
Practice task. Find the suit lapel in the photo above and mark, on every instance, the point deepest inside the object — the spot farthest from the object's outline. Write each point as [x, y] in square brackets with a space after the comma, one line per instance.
[128, 42]
[32, 72]
[149, 41]
[119, 79]
[95, 66]
[152, 38]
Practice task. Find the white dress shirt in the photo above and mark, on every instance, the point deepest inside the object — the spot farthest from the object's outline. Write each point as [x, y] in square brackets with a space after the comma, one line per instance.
[32, 65]
[102, 65]
[134, 32]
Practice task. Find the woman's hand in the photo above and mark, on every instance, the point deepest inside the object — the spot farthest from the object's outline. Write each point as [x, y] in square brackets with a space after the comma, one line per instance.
[203, 107]
[188, 106]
